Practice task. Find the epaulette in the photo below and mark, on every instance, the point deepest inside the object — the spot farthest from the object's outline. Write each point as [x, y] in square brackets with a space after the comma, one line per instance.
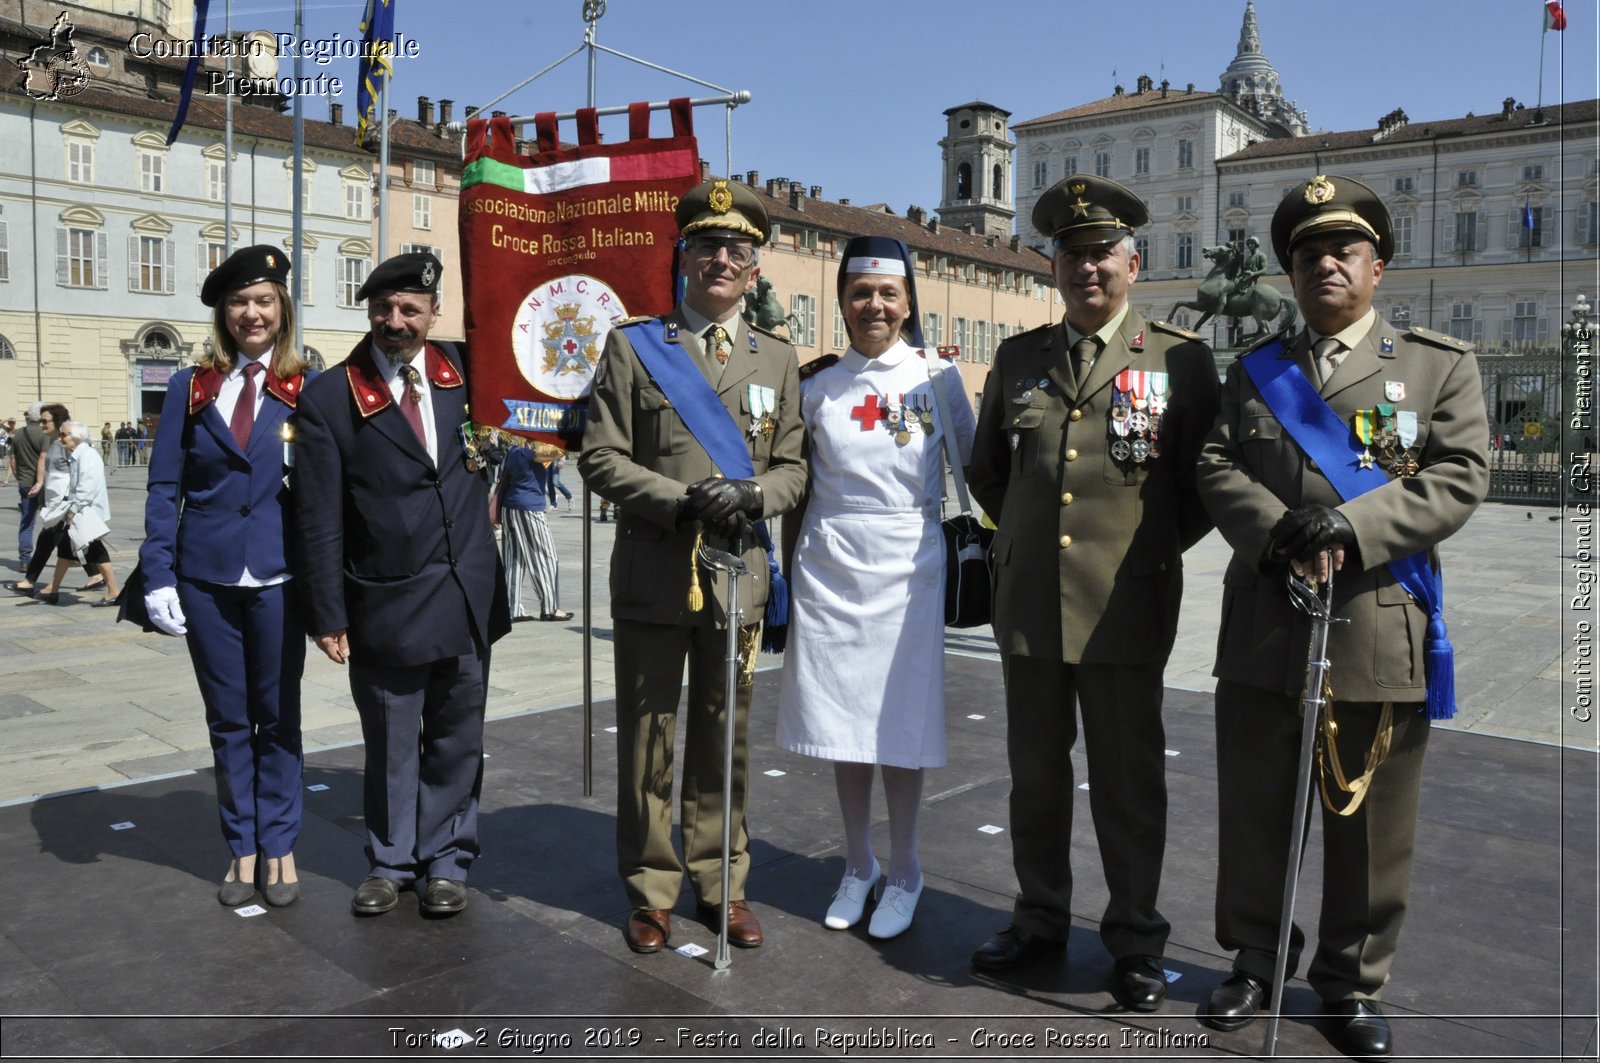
[631, 321]
[817, 365]
[767, 332]
[1176, 330]
[1439, 339]
[1262, 342]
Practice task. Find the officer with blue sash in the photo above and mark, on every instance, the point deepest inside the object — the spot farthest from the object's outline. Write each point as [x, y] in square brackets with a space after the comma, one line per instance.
[694, 421]
[1353, 444]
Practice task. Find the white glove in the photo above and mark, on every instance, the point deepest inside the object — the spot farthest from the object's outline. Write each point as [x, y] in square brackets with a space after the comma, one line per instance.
[165, 613]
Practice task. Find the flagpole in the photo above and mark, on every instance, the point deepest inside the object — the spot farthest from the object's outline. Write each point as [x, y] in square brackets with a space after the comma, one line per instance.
[299, 175]
[588, 534]
[227, 143]
[383, 169]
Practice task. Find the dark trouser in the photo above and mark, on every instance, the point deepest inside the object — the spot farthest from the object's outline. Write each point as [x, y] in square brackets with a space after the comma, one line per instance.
[249, 652]
[53, 541]
[27, 510]
[649, 666]
[1125, 745]
[1366, 868]
[423, 728]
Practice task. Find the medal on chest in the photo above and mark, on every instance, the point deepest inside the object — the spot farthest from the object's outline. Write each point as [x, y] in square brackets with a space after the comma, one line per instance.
[1134, 421]
[763, 403]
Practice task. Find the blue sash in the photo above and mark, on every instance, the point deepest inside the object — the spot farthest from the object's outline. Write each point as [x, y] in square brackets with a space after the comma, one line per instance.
[708, 420]
[1329, 442]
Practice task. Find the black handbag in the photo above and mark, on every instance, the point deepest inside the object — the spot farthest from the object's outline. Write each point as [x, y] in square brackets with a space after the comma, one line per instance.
[968, 586]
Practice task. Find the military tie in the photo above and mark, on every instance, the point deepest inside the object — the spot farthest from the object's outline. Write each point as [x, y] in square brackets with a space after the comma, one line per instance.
[1083, 355]
[411, 405]
[1327, 355]
[717, 344]
[244, 413]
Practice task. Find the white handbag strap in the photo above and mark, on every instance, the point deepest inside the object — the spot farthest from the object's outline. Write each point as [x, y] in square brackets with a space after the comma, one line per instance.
[942, 410]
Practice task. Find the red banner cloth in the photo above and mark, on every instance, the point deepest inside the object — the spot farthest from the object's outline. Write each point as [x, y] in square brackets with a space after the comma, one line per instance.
[556, 248]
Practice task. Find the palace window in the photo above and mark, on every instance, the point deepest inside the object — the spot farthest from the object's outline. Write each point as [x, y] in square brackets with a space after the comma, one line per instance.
[804, 309]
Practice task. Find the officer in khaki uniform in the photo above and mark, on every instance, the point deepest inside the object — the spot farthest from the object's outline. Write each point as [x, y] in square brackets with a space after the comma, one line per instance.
[639, 455]
[1415, 408]
[1085, 459]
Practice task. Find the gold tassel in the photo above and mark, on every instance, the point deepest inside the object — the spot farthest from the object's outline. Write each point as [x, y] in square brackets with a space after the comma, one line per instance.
[697, 598]
[1328, 761]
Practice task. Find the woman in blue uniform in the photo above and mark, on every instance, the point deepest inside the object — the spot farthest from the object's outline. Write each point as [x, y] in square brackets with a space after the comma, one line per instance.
[215, 563]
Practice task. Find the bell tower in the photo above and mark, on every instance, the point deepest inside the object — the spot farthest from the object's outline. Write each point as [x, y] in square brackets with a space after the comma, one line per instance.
[978, 154]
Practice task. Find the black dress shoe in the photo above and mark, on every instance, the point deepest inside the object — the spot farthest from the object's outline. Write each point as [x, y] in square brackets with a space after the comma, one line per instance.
[1234, 1003]
[1358, 1029]
[445, 896]
[1139, 983]
[1013, 947]
[375, 896]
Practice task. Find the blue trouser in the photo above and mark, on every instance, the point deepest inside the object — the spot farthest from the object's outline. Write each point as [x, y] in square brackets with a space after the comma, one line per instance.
[249, 651]
[28, 508]
[423, 729]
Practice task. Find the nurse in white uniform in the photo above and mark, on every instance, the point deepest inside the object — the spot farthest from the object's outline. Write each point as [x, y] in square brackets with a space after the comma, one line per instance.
[863, 679]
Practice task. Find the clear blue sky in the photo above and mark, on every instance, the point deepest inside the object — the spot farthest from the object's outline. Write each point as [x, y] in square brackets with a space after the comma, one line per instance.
[850, 95]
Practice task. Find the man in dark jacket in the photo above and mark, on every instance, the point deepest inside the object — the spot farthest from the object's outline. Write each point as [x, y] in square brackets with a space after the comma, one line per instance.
[401, 580]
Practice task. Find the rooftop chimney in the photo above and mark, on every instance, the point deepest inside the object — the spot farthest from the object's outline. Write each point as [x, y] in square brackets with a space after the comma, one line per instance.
[446, 111]
[797, 196]
[424, 111]
[816, 191]
[1145, 83]
[336, 113]
[753, 178]
[916, 215]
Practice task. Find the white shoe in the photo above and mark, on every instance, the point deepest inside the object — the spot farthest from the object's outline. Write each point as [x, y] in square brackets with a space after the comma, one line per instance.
[850, 899]
[894, 913]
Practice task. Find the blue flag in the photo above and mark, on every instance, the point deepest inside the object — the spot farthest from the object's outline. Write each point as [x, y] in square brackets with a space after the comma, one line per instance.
[377, 62]
[194, 69]
[1527, 215]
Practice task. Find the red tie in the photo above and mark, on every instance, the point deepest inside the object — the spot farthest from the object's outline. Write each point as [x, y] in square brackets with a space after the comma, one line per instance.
[244, 412]
[411, 405]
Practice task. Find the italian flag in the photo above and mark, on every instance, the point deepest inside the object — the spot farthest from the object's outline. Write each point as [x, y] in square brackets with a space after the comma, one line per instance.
[1554, 17]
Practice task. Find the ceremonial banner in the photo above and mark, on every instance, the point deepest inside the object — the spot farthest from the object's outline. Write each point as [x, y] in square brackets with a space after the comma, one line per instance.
[555, 249]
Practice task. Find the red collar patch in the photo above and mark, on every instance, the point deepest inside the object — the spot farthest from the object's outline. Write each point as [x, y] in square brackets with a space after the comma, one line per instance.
[371, 390]
[1137, 343]
[367, 385]
[286, 391]
[204, 387]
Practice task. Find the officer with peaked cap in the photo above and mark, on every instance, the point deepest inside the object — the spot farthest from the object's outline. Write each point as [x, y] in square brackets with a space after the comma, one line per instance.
[402, 582]
[1405, 421]
[1085, 458]
[639, 453]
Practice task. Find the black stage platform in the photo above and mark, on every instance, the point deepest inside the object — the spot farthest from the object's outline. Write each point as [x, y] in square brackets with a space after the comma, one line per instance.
[113, 943]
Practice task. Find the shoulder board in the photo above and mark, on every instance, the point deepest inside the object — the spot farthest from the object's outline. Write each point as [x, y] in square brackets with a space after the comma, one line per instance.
[817, 365]
[765, 332]
[1274, 338]
[1439, 339]
[1175, 330]
[632, 321]
[1037, 328]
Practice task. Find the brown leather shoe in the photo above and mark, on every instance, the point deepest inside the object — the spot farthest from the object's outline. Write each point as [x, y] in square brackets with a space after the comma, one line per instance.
[744, 931]
[648, 929]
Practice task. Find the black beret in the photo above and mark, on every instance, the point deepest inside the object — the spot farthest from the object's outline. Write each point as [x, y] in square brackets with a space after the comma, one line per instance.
[246, 266]
[1088, 210]
[1327, 204]
[414, 271]
[724, 205]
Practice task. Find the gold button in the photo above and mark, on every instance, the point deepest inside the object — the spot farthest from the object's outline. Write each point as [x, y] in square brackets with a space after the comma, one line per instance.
[1251, 432]
[1072, 454]
[1077, 415]
[1066, 499]
[1066, 541]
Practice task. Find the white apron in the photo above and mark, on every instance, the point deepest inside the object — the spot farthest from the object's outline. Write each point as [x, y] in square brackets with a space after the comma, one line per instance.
[863, 676]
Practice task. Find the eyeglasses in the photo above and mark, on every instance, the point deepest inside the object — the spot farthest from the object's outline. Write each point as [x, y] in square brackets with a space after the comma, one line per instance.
[740, 252]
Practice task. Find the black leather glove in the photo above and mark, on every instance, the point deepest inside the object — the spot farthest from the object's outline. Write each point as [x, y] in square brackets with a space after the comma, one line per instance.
[1304, 533]
[716, 501]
